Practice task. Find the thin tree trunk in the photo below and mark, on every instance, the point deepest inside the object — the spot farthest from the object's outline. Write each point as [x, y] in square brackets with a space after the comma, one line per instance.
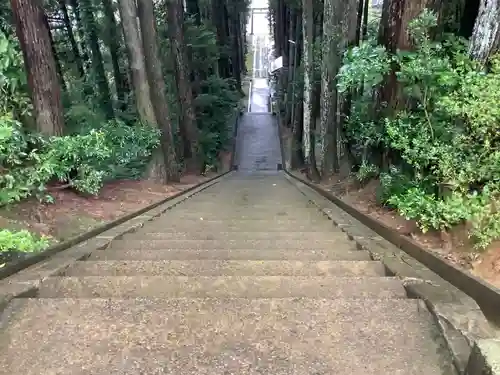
[164, 168]
[128, 14]
[193, 10]
[308, 35]
[297, 152]
[77, 59]
[221, 34]
[188, 127]
[81, 33]
[365, 19]
[60, 73]
[34, 37]
[114, 51]
[332, 37]
[291, 66]
[235, 60]
[486, 34]
[97, 61]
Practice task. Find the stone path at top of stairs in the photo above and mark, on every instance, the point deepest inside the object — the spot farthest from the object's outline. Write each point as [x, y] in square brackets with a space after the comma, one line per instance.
[247, 277]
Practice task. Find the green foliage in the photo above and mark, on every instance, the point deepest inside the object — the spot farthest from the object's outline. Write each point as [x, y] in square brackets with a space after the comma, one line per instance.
[22, 241]
[13, 97]
[29, 163]
[215, 106]
[366, 172]
[444, 132]
[19, 243]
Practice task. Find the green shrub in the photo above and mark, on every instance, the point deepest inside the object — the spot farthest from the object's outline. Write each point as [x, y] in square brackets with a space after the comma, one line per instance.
[445, 132]
[29, 162]
[13, 244]
[215, 106]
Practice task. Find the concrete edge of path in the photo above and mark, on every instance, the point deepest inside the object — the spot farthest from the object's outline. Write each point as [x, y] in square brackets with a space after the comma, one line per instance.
[460, 319]
[485, 358]
[25, 281]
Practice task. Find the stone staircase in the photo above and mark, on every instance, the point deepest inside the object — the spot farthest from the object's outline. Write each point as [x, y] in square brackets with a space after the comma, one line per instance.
[246, 277]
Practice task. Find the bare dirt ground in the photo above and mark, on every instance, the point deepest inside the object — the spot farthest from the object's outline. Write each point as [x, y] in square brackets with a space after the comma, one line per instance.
[72, 214]
[455, 246]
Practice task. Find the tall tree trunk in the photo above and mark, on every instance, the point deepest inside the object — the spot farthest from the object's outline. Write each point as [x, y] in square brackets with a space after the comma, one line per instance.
[59, 70]
[486, 34]
[235, 60]
[77, 59]
[34, 37]
[219, 22]
[97, 60]
[114, 50]
[291, 68]
[80, 32]
[128, 14]
[366, 8]
[308, 34]
[332, 40]
[297, 152]
[193, 10]
[188, 127]
[164, 166]
[359, 19]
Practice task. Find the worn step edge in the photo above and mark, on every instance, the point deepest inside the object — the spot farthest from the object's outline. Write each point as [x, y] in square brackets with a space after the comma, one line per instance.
[225, 268]
[210, 235]
[222, 286]
[311, 244]
[226, 254]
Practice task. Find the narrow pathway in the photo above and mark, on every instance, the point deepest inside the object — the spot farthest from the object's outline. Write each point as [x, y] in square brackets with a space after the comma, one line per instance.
[246, 277]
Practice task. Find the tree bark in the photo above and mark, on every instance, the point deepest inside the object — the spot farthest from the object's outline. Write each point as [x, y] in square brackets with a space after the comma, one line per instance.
[187, 126]
[308, 36]
[235, 60]
[60, 73]
[164, 168]
[71, 37]
[34, 37]
[486, 34]
[128, 14]
[105, 100]
[114, 50]
[219, 23]
[81, 33]
[193, 10]
[332, 59]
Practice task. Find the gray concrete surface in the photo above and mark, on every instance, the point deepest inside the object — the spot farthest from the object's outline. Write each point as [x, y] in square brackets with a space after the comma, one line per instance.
[259, 96]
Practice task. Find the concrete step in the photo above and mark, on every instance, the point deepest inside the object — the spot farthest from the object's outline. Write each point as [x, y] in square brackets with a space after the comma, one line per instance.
[226, 268]
[234, 226]
[244, 215]
[278, 223]
[306, 244]
[195, 235]
[234, 254]
[221, 287]
[220, 337]
[206, 226]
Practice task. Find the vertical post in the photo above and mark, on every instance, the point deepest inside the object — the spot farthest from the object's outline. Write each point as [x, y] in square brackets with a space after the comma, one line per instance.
[294, 44]
[251, 22]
